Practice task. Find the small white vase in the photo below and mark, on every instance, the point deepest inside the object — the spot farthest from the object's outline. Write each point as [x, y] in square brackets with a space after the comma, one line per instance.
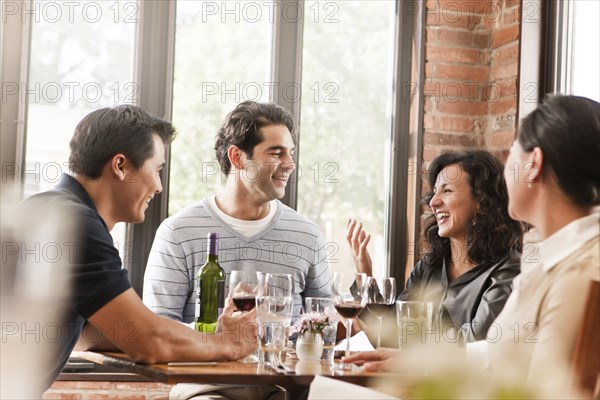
[309, 346]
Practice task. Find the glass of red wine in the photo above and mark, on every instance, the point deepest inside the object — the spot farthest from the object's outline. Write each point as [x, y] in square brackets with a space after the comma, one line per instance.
[350, 296]
[381, 297]
[243, 287]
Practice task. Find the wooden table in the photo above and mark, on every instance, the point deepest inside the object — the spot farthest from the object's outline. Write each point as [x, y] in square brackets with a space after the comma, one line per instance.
[232, 372]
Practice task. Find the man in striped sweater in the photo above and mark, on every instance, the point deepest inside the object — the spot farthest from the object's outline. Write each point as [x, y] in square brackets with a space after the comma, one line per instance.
[255, 149]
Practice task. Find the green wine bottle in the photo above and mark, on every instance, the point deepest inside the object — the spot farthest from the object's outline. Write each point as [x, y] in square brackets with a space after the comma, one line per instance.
[210, 297]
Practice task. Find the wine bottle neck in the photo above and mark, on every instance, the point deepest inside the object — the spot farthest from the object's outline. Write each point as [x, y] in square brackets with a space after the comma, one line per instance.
[213, 258]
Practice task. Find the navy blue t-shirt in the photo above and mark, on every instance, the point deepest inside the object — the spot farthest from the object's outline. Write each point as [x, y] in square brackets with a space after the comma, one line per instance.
[96, 275]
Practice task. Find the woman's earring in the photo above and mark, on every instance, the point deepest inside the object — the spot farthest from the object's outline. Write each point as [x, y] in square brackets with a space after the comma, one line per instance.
[529, 185]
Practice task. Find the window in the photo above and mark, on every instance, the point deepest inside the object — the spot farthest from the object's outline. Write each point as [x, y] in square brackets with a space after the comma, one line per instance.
[344, 98]
[81, 59]
[192, 62]
[585, 57]
[221, 58]
[568, 38]
[346, 91]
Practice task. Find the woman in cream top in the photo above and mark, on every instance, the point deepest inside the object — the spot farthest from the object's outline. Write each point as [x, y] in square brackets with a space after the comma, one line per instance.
[553, 180]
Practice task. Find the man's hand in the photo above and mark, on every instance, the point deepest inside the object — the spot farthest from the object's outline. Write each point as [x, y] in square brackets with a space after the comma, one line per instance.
[358, 240]
[381, 359]
[238, 330]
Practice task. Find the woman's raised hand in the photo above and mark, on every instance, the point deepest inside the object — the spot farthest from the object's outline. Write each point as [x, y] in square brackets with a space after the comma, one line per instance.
[358, 240]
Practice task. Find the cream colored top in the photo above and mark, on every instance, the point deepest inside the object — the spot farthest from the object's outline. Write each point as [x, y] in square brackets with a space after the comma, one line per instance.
[537, 328]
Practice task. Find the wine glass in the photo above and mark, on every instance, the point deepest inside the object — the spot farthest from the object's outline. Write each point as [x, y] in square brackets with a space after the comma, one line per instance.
[243, 287]
[349, 292]
[274, 303]
[276, 285]
[381, 297]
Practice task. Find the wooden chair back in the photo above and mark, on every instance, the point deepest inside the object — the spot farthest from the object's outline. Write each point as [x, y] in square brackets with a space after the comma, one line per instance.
[586, 357]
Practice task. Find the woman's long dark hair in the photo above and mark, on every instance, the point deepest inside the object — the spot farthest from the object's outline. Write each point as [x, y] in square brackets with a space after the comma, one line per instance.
[491, 234]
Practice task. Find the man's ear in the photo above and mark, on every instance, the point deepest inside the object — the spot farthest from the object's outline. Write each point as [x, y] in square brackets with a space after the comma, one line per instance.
[236, 156]
[118, 166]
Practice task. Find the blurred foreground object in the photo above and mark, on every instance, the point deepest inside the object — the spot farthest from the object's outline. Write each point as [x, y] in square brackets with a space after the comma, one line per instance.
[38, 247]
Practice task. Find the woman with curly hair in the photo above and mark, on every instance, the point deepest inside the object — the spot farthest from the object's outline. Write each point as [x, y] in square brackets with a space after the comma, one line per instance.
[474, 246]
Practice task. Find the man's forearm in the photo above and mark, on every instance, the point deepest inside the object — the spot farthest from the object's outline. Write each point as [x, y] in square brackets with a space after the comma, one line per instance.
[92, 339]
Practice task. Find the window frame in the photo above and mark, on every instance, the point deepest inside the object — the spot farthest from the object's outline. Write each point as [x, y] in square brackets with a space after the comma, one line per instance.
[154, 66]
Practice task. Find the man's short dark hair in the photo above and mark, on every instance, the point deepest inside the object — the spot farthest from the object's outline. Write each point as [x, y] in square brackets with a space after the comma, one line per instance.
[123, 129]
[242, 126]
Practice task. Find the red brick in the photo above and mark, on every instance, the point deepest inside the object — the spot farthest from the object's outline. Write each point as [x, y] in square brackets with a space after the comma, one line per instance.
[451, 124]
[440, 122]
[453, 54]
[431, 35]
[463, 107]
[505, 35]
[51, 395]
[428, 70]
[504, 71]
[486, 56]
[142, 386]
[501, 155]
[506, 54]
[446, 139]
[482, 40]
[511, 16]
[503, 105]
[428, 106]
[488, 24]
[431, 4]
[512, 3]
[430, 152]
[507, 87]
[461, 72]
[462, 38]
[465, 6]
[453, 20]
[99, 385]
[453, 90]
[502, 138]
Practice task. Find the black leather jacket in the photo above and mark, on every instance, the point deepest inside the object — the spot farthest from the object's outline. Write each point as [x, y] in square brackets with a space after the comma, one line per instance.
[463, 310]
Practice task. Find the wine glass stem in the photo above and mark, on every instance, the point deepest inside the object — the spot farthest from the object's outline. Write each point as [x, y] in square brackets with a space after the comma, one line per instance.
[348, 336]
[379, 320]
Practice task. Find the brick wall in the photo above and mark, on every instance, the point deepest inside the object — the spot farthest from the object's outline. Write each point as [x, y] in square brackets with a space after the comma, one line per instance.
[471, 77]
[471, 54]
[98, 390]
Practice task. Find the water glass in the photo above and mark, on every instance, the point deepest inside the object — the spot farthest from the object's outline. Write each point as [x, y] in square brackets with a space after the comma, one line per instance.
[323, 305]
[276, 285]
[414, 319]
[273, 316]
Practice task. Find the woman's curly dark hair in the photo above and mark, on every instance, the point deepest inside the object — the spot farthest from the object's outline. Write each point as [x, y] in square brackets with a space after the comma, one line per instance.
[492, 234]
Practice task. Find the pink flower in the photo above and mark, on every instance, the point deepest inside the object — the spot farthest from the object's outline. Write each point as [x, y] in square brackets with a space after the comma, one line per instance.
[312, 322]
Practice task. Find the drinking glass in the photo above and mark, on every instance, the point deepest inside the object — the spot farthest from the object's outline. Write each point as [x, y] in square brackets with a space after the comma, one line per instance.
[381, 297]
[414, 319]
[274, 303]
[324, 305]
[243, 287]
[276, 285]
[349, 298]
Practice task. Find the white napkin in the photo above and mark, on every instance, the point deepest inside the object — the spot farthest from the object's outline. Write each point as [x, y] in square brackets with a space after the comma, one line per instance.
[323, 388]
[358, 342]
[478, 353]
